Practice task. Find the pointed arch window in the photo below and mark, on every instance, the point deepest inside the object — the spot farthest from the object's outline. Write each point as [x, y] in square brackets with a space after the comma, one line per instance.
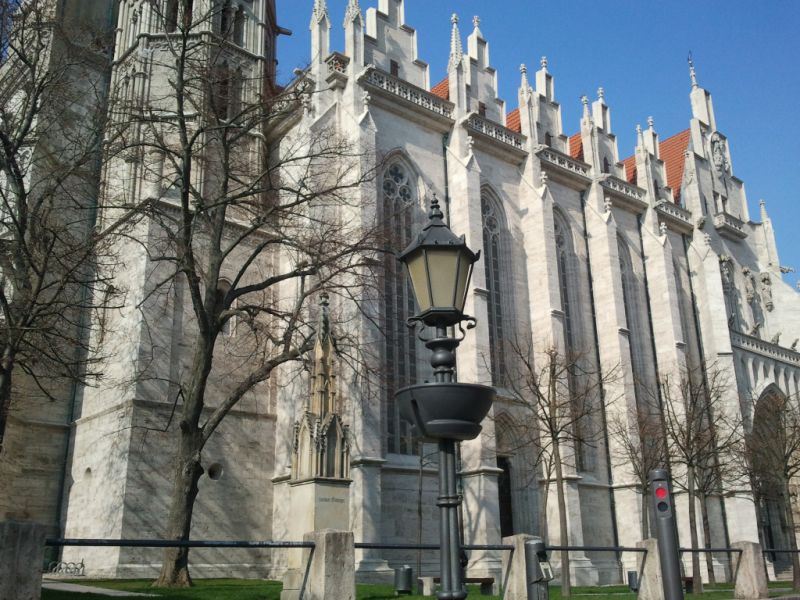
[171, 16]
[238, 27]
[498, 281]
[403, 360]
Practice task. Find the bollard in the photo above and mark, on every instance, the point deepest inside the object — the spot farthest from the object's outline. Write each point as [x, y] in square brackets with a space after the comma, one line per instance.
[664, 509]
[331, 572]
[537, 567]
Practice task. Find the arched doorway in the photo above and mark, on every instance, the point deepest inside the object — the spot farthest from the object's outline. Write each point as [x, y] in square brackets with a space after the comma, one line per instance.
[767, 445]
[517, 499]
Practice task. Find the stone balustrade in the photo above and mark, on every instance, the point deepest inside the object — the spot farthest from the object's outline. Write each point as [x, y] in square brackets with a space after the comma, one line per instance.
[496, 131]
[418, 97]
[764, 348]
[729, 226]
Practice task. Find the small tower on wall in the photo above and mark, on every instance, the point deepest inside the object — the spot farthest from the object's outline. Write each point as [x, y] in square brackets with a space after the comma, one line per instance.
[319, 488]
[321, 448]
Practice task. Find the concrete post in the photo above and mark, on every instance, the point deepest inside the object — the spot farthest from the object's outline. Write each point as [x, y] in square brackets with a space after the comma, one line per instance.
[750, 577]
[331, 575]
[651, 587]
[21, 560]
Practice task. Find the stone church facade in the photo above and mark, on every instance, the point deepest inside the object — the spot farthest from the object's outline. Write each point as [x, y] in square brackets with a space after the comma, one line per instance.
[649, 265]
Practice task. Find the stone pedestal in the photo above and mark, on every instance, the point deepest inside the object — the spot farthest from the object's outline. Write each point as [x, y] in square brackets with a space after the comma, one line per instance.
[317, 504]
[21, 560]
[750, 577]
[651, 584]
[331, 574]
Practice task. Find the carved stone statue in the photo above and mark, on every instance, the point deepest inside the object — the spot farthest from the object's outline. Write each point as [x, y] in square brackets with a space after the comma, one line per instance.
[794, 343]
[719, 155]
[776, 338]
[766, 291]
[754, 329]
[749, 285]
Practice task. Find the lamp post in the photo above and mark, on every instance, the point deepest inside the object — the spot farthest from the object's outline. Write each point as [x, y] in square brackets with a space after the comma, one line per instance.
[440, 266]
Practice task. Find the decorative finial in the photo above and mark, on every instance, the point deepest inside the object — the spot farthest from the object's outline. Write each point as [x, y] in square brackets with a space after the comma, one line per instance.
[435, 213]
[476, 22]
[353, 12]
[662, 228]
[523, 70]
[692, 74]
[650, 122]
[543, 177]
[607, 204]
[585, 102]
[543, 62]
[456, 51]
[601, 93]
[638, 129]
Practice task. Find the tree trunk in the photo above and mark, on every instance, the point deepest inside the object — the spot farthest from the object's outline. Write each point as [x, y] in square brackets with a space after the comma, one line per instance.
[5, 392]
[645, 514]
[566, 583]
[707, 537]
[188, 469]
[792, 535]
[697, 576]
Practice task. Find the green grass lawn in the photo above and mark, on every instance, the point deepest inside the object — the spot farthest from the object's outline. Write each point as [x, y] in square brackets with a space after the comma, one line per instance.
[223, 589]
[248, 589]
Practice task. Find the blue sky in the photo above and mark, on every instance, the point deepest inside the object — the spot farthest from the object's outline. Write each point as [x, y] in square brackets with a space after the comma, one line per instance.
[747, 54]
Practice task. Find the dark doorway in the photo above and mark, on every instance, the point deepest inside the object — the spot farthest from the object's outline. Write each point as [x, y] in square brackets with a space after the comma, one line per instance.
[504, 496]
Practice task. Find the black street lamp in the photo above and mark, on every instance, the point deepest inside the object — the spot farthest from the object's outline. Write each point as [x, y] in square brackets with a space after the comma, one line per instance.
[440, 266]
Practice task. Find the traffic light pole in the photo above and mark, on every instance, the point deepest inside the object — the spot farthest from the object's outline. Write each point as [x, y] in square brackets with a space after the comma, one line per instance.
[664, 509]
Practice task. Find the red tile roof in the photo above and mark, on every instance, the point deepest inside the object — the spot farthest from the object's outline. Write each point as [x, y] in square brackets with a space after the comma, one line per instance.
[442, 89]
[512, 121]
[630, 169]
[672, 153]
[576, 146]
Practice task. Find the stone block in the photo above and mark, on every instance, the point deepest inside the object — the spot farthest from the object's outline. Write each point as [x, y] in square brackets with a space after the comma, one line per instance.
[651, 584]
[331, 575]
[21, 560]
[750, 578]
[427, 586]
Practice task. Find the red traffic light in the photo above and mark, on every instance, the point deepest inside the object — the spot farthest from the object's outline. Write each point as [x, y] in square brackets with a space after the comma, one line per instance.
[661, 492]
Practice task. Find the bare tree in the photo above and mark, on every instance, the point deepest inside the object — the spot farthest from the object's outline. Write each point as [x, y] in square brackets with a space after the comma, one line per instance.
[561, 404]
[52, 109]
[770, 458]
[250, 216]
[702, 432]
[640, 447]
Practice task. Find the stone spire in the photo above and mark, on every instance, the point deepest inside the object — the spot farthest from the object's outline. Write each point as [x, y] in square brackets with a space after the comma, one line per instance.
[650, 123]
[762, 206]
[692, 74]
[543, 63]
[523, 84]
[352, 13]
[320, 11]
[456, 50]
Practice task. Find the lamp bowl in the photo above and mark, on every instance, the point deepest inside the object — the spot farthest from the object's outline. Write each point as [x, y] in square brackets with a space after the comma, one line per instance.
[446, 410]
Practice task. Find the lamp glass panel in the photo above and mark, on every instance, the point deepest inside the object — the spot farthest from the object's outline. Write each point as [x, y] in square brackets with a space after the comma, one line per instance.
[443, 265]
[464, 273]
[419, 279]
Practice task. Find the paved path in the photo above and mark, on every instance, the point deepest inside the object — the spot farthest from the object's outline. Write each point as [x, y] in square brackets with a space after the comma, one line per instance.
[85, 589]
